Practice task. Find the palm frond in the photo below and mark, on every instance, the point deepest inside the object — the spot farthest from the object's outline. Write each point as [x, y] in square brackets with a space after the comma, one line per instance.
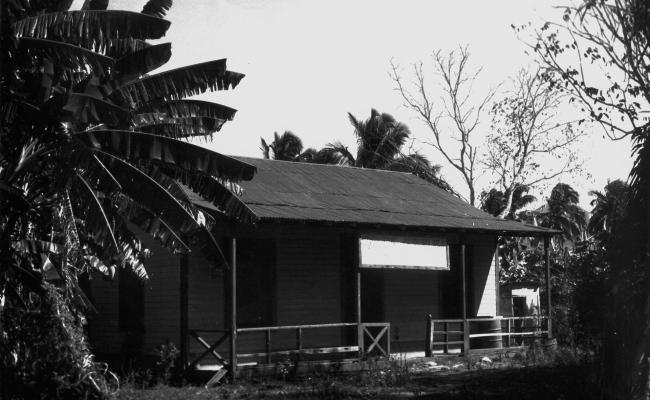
[178, 156]
[37, 246]
[135, 64]
[179, 83]
[118, 48]
[146, 191]
[217, 192]
[36, 6]
[340, 148]
[96, 217]
[87, 109]
[66, 55]
[153, 225]
[92, 29]
[178, 127]
[157, 8]
[95, 5]
[176, 130]
[189, 108]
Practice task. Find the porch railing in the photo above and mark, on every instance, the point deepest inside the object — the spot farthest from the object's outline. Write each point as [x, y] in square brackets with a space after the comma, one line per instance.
[447, 335]
[372, 339]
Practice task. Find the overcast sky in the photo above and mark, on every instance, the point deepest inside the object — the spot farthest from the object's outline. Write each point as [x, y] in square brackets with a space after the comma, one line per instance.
[308, 63]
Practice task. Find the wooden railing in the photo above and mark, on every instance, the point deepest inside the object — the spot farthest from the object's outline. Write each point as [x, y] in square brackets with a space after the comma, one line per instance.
[372, 339]
[445, 334]
[365, 331]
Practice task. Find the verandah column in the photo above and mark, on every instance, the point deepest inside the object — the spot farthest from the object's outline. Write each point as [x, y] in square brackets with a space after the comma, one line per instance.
[463, 271]
[547, 260]
[232, 283]
[357, 281]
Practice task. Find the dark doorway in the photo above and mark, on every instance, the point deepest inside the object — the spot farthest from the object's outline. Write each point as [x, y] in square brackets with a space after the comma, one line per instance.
[255, 282]
[372, 295]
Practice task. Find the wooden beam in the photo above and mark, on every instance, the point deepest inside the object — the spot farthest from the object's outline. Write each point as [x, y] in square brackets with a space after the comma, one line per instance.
[547, 260]
[233, 309]
[183, 309]
[463, 271]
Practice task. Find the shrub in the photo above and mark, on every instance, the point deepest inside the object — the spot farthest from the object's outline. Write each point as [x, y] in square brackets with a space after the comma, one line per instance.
[44, 353]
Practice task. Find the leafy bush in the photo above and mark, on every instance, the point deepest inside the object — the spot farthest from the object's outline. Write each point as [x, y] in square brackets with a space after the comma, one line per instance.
[45, 355]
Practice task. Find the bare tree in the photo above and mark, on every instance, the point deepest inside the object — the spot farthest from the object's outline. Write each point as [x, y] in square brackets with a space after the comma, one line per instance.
[525, 132]
[459, 144]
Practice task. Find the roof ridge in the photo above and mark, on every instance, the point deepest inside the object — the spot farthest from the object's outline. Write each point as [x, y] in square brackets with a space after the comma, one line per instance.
[326, 165]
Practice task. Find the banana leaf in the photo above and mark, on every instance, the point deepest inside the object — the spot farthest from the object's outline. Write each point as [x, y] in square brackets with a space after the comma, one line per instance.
[92, 29]
[179, 83]
[95, 5]
[66, 55]
[134, 64]
[88, 109]
[180, 157]
[188, 108]
[157, 8]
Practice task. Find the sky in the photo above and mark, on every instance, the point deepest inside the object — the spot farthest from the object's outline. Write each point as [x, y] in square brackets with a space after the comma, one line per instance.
[309, 63]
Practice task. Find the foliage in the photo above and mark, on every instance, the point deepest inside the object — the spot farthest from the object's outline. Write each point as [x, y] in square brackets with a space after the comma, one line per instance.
[495, 201]
[380, 140]
[599, 55]
[285, 147]
[45, 353]
[608, 209]
[90, 145]
[526, 132]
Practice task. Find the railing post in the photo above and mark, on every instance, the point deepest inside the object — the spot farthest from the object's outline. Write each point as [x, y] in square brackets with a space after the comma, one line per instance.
[388, 340]
[463, 266]
[268, 346]
[446, 345]
[233, 309]
[429, 342]
[547, 260]
[509, 322]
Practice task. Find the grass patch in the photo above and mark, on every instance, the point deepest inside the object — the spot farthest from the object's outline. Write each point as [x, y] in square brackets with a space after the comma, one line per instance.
[536, 375]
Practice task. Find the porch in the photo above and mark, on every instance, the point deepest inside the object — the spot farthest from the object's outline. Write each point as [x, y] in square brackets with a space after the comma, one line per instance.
[235, 350]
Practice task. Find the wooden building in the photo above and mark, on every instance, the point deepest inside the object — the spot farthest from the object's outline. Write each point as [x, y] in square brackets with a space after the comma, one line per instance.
[341, 261]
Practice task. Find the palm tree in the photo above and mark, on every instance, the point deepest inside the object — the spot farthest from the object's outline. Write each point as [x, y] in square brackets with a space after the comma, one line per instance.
[563, 213]
[285, 147]
[90, 145]
[608, 208]
[379, 141]
[495, 201]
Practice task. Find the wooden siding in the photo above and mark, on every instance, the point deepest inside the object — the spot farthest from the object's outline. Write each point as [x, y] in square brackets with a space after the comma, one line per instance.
[103, 327]
[161, 297]
[309, 288]
[409, 297]
[308, 280]
[483, 277]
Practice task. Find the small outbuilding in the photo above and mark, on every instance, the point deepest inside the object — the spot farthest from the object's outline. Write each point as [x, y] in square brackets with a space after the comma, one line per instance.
[342, 262]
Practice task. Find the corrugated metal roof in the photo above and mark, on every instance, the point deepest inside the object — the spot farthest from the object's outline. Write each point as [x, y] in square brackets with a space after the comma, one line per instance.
[289, 191]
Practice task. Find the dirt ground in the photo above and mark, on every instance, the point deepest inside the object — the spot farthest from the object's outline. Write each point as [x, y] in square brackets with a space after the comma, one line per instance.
[399, 382]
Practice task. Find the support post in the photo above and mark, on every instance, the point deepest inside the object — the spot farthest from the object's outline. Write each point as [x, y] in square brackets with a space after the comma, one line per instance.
[357, 266]
[429, 337]
[232, 282]
[463, 269]
[183, 310]
[547, 260]
[358, 313]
